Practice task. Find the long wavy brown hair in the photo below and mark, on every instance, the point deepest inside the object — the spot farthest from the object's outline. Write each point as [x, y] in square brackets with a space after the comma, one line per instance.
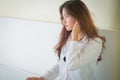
[78, 10]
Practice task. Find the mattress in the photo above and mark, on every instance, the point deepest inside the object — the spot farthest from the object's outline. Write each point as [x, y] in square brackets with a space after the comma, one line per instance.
[12, 73]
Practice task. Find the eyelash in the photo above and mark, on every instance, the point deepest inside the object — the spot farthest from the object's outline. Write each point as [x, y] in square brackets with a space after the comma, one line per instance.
[66, 16]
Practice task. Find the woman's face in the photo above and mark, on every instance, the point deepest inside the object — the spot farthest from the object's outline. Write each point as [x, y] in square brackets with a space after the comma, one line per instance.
[68, 21]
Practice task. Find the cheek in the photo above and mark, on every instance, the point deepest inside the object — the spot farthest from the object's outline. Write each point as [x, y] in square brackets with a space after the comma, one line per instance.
[71, 23]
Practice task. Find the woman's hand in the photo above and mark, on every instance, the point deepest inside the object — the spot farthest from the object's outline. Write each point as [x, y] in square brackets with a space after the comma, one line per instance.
[76, 31]
[77, 34]
[35, 78]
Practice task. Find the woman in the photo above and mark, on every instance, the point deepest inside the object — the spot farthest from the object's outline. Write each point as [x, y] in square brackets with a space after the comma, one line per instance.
[79, 47]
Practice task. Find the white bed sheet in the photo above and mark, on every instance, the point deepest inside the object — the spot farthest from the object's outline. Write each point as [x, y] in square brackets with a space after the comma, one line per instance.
[12, 73]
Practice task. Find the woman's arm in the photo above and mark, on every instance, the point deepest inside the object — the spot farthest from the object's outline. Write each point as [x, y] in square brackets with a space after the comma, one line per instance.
[49, 75]
[52, 73]
[35, 78]
[77, 57]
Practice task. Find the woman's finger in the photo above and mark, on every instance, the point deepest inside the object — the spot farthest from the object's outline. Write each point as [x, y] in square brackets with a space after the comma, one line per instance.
[28, 78]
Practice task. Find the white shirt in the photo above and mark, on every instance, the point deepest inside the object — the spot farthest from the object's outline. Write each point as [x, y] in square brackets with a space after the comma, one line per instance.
[77, 60]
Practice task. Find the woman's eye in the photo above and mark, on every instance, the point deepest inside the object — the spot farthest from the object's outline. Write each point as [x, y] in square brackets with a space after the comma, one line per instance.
[66, 15]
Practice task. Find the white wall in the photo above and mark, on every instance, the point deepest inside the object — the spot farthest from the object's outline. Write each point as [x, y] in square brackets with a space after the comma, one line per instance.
[29, 46]
[109, 67]
[105, 12]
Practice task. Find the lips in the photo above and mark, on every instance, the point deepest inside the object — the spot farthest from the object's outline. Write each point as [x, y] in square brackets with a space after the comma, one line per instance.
[66, 25]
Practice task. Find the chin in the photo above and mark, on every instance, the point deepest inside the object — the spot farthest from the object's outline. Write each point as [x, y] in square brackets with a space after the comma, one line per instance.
[68, 29]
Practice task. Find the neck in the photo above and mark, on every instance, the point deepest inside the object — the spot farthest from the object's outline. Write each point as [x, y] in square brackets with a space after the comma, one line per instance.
[80, 37]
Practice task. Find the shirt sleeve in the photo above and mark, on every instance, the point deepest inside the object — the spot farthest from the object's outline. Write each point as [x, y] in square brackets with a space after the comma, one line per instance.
[77, 57]
[52, 73]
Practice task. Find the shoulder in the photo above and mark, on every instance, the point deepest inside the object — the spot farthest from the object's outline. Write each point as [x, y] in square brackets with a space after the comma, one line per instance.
[87, 40]
[94, 43]
[96, 40]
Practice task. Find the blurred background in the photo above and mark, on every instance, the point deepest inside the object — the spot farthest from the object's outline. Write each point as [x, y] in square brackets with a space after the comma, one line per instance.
[29, 30]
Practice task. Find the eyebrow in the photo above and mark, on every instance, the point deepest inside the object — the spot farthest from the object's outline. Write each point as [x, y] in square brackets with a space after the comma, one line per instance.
[66, 14]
